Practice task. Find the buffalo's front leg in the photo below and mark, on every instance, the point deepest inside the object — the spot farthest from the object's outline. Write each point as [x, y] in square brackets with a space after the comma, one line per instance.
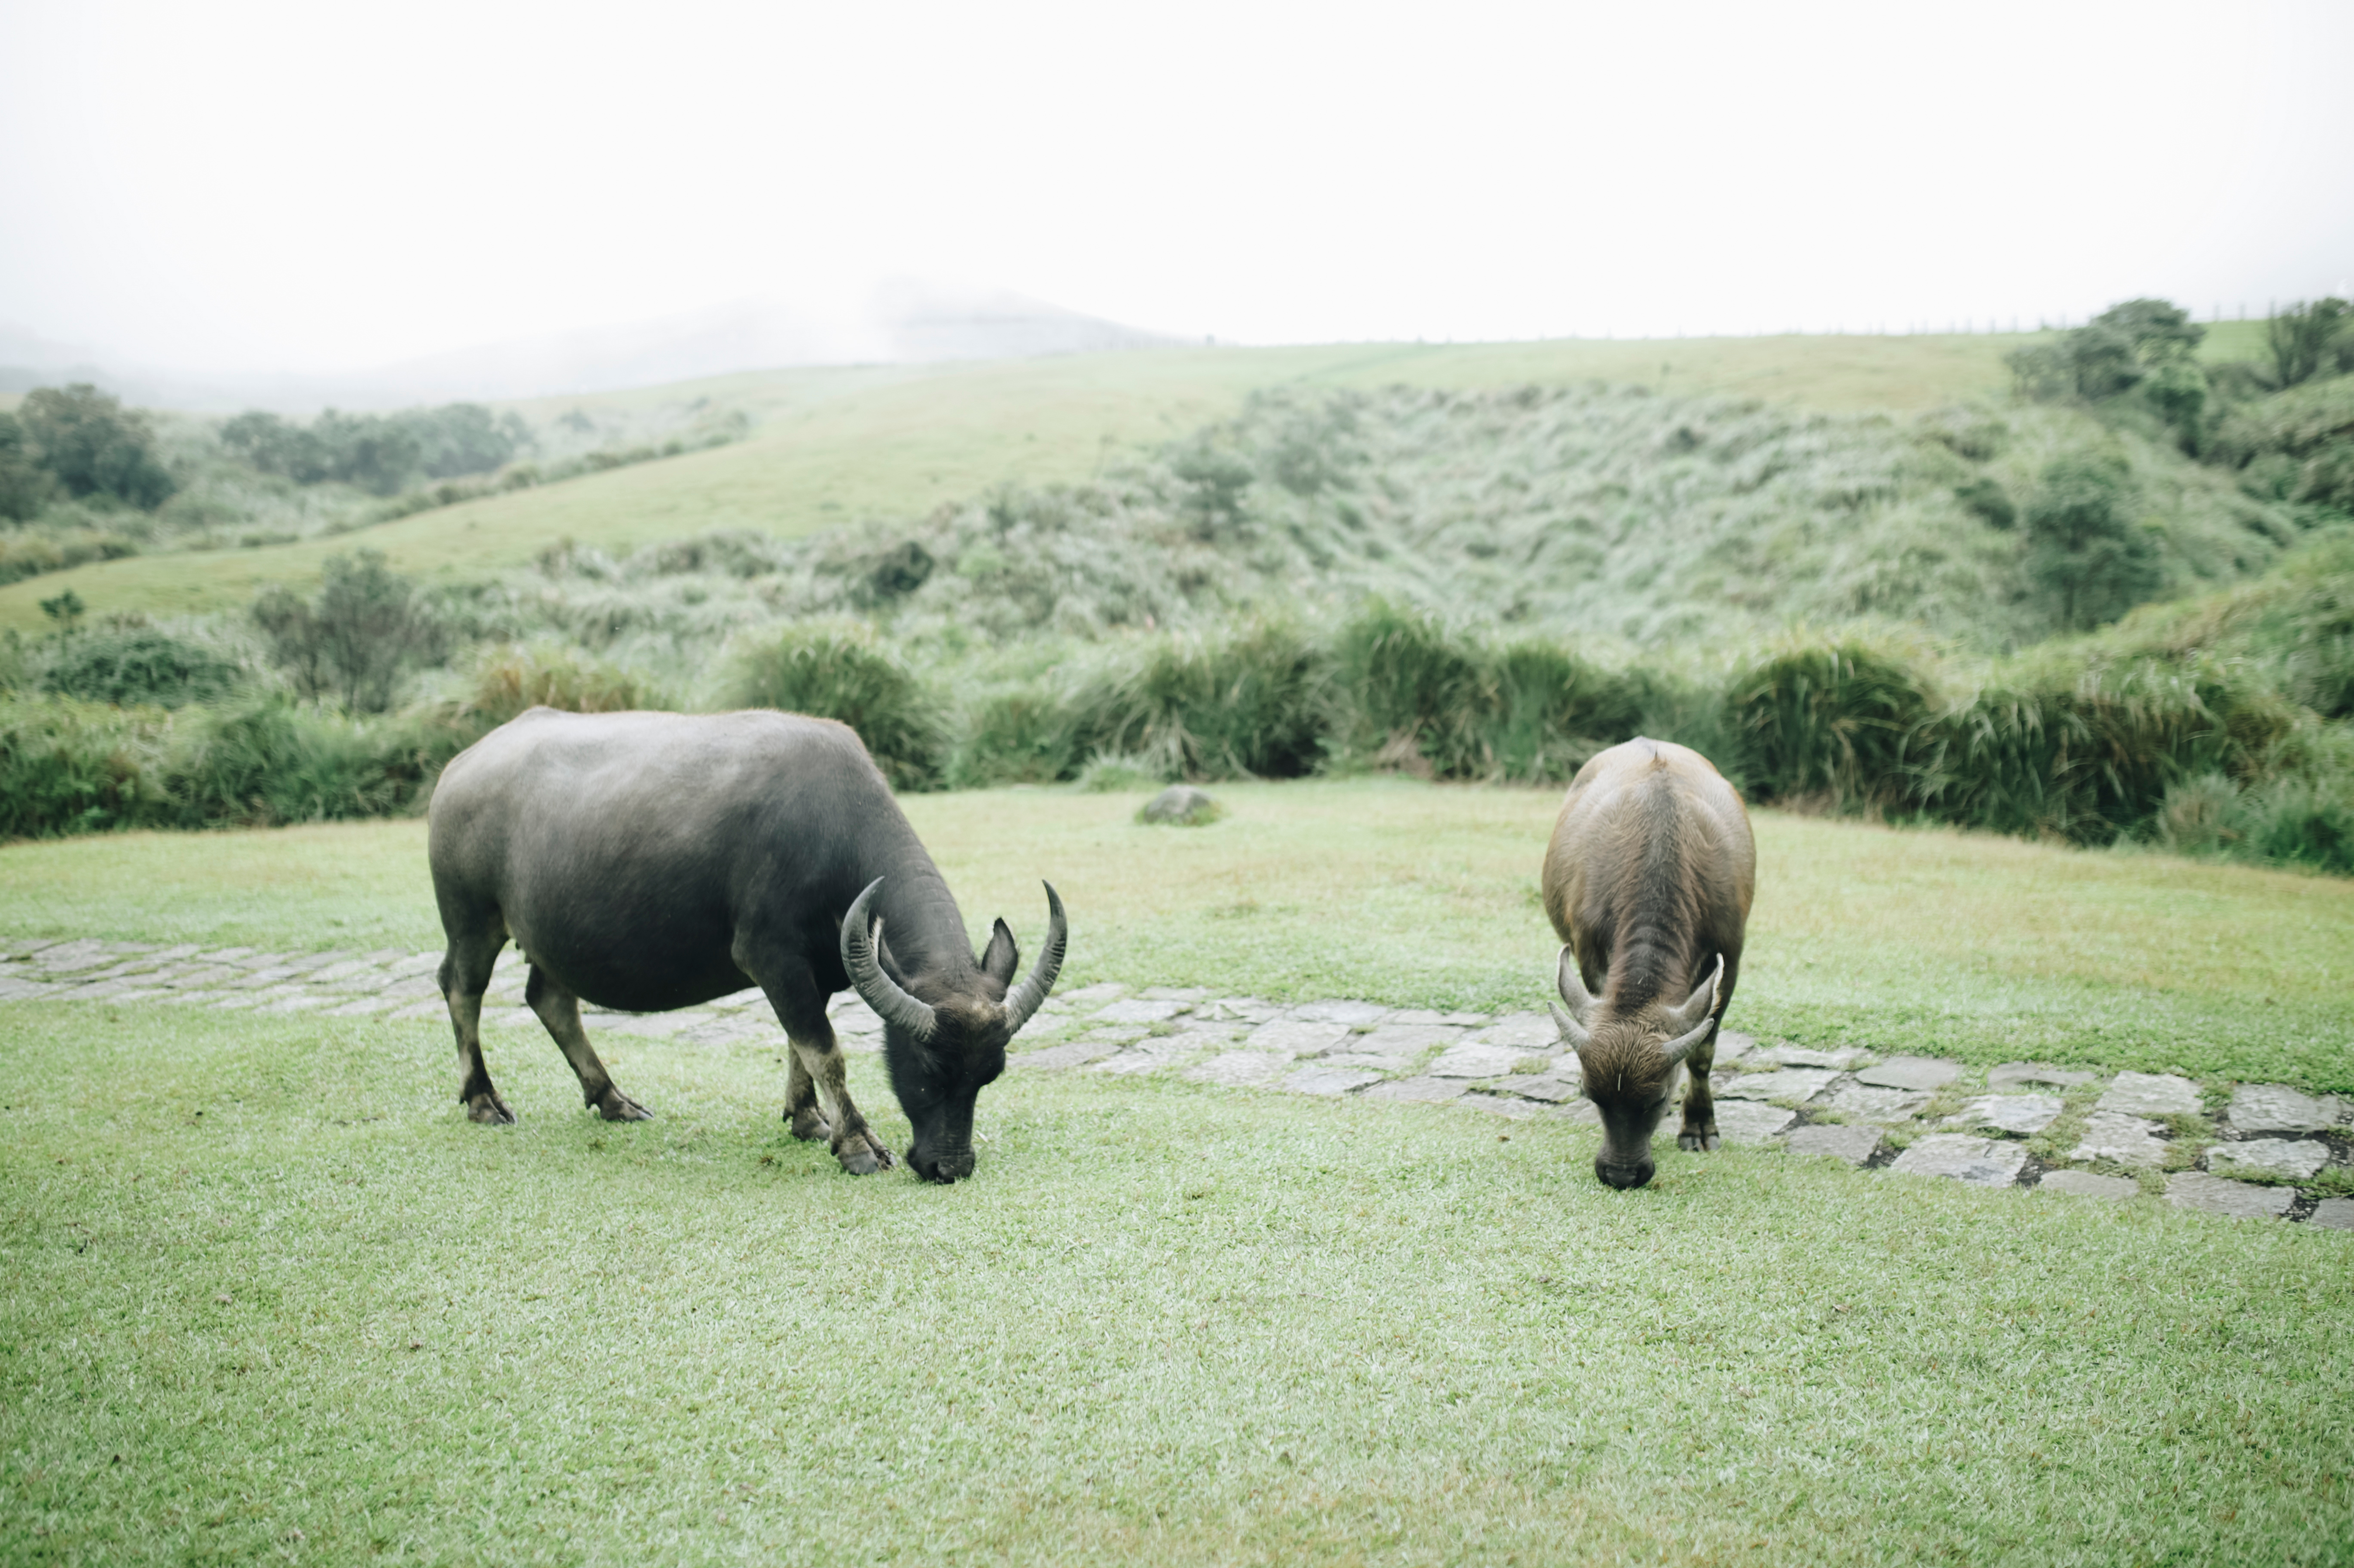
[801, 1110]
[1700, 1103]
[465, 976]
[853, 1142]
[559, 1009]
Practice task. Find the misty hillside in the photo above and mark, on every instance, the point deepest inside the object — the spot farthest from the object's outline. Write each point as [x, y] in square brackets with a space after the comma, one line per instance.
[1591, 512]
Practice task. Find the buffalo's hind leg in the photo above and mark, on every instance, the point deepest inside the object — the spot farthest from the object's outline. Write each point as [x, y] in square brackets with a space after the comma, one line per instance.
[559, 1009]
[465, 976]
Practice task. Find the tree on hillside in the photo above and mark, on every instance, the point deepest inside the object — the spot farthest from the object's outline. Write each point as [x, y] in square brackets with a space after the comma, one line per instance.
[379, 452]
[367, 626]
[2300, 337]
[95, 446]
[2085, 551]
[24, 485]
[2161, 332]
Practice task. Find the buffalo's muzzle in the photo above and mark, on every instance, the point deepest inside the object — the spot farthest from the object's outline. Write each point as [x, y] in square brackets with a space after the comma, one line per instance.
[1624, 1177]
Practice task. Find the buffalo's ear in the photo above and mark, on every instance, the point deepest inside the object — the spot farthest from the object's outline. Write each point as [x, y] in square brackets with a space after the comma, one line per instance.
[1002, 959]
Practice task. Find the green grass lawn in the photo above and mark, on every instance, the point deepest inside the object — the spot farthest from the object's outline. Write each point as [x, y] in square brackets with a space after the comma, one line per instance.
[836, 446]
[272, 1297]
[1415, 894]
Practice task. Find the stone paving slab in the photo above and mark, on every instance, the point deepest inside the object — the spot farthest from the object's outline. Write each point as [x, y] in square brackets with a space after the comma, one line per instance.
[1839, 1061]
[1333, 1081]
[1790, 1087]
[1889, 1107]
[1241, 1069]
[1352, 1013]
[1426, 1090]
[1521, 1031]
[2296, 1157]
[2023, 1114]
[2127, 1139]
[2235, 1200]
[2085, 1184]
[1981, 1161]
[1920, 1074]
[2275, 1107]
[1337, 1047]
[1300, 1037]
[2150, 1094]
[1854, 1144]
[1467, 1060]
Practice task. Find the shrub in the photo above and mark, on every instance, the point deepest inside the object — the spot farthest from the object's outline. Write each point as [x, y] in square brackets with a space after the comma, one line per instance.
[2299, 338]
[78, 767]
[272, 762]
[25, 486]
[141, 665]
[1986, 499]
[1020, 736]
[1246, 702]
[366, 628]
[1553, 710]
[506, 680]
[838, 670]
[2083, 549]
[1833, 722]
[1422, 696]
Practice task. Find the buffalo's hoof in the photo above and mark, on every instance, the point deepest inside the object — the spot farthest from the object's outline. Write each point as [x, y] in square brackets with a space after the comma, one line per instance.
[490, 1110]
[861, 1155]
[1698, 1141]
[615, 1106]
[809, 1126]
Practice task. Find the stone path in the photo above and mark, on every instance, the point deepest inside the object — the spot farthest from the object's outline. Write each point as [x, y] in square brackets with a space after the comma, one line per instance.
[2244, 1150]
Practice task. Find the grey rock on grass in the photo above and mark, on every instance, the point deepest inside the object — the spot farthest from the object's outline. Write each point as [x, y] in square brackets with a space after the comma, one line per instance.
[1182, 806]
[2022, 1113]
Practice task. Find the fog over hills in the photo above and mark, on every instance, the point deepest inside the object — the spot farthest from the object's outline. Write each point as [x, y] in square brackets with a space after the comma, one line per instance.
[899, 321]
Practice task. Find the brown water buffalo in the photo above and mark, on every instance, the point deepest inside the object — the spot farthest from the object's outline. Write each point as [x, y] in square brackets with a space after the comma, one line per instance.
[649, 860]
[1647, 880]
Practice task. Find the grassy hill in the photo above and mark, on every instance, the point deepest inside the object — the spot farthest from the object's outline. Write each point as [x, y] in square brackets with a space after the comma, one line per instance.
[848, 445]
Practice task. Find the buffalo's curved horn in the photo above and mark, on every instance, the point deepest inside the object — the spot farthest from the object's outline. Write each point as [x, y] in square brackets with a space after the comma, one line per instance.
[1024, 999]
[1573, 987]
[1571, 1030]
[1700, 1003]
[875, 989]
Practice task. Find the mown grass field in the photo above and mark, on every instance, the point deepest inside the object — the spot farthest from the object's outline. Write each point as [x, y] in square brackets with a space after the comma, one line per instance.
[839, 446]
[1418, 894]
[271, 1298]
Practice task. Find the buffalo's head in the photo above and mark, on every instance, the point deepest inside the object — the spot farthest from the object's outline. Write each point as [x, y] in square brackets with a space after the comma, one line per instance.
[942, 1050]
[1627, 1062]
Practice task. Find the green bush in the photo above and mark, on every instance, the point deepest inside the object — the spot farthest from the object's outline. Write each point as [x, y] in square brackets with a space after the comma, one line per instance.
[1248, 702]
[2084, 549]
[1023, 734]
[1422, 697]
[79, 768]
[1553, 710]
[273, 762]
[367, 626]
[1828, 721]
[508, 679]
[839, 669]
[137, 665]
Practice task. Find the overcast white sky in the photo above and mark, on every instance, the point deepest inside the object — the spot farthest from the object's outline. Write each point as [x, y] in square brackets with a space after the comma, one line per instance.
[318, 188]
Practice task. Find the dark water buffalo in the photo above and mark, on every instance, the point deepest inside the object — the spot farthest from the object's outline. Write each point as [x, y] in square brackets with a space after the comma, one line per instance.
[1647, 880]
[649, 860]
